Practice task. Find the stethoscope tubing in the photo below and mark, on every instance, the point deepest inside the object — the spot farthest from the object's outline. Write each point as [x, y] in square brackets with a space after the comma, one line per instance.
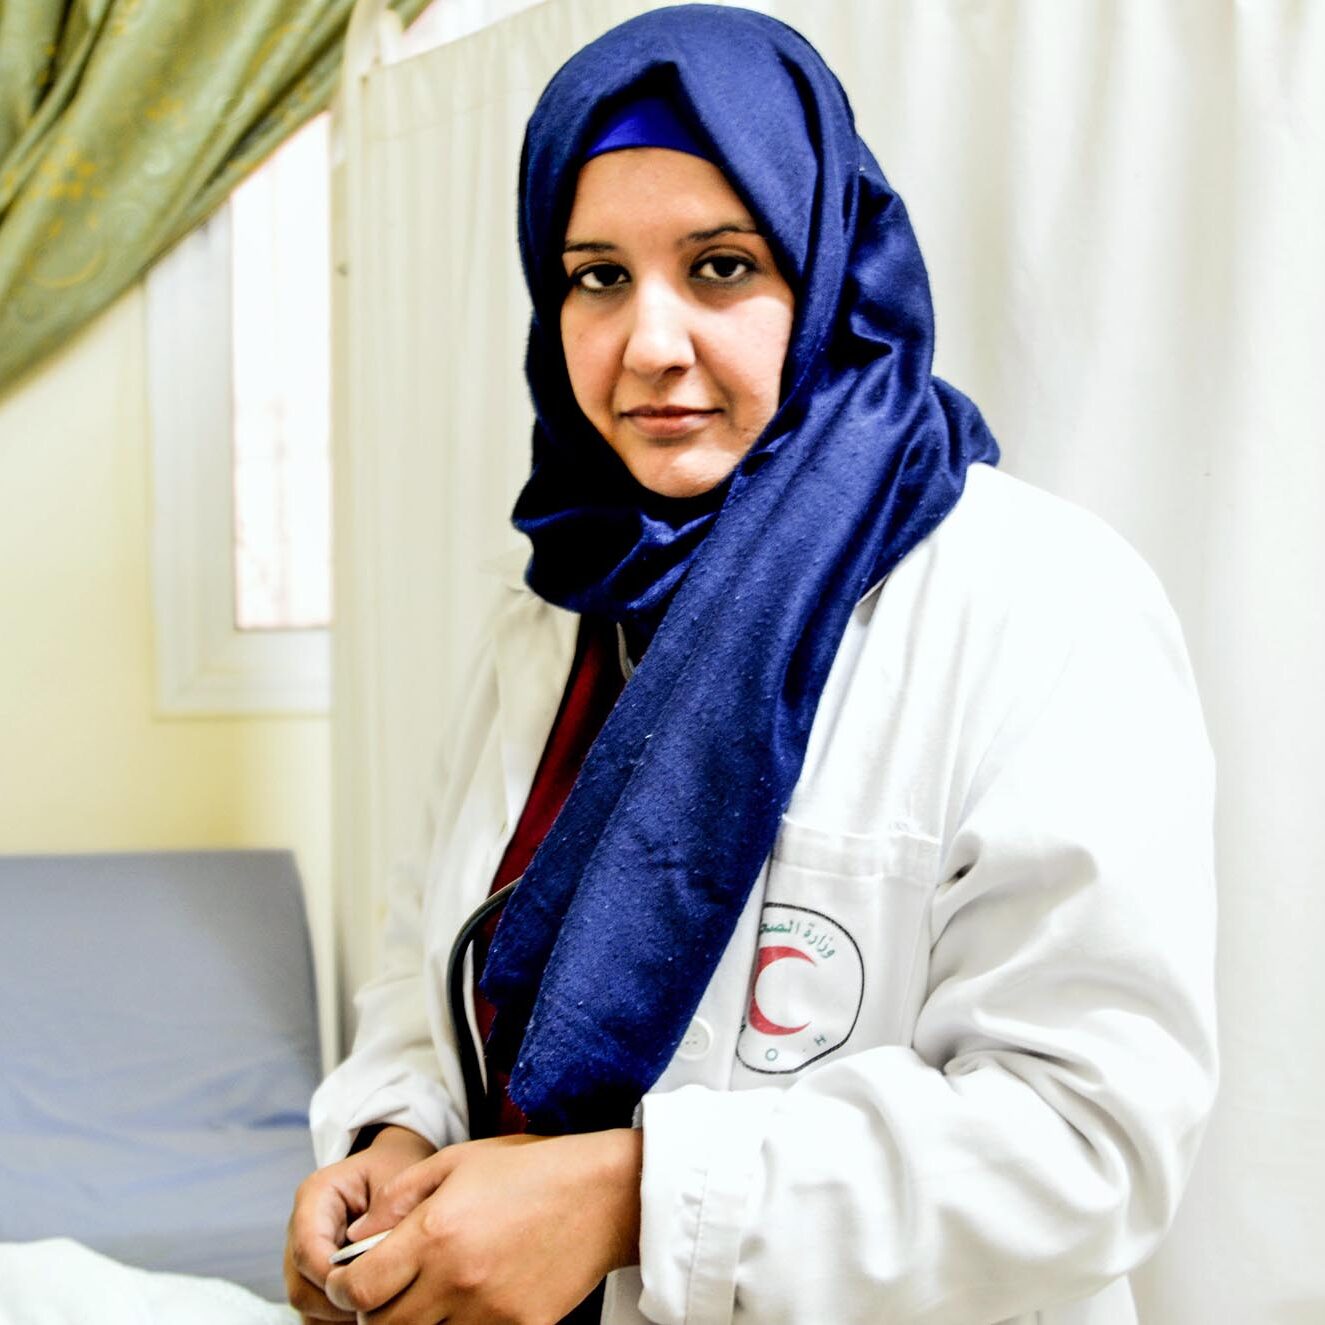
[470, 1052]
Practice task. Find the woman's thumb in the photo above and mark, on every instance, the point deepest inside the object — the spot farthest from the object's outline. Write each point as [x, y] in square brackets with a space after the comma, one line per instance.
[395, 1198]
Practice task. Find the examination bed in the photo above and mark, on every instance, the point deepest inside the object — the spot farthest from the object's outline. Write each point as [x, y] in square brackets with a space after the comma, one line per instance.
[158, 1047]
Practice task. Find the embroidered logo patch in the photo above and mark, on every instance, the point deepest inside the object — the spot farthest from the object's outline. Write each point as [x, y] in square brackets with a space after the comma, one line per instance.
[806, 992]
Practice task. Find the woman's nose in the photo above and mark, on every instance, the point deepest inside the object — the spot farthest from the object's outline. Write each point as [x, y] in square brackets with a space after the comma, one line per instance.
[659, 339]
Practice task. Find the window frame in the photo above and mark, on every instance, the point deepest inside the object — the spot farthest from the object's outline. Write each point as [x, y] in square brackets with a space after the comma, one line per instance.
[206, 665]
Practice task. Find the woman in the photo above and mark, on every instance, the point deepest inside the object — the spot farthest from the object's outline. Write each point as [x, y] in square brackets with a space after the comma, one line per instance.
[861, 963]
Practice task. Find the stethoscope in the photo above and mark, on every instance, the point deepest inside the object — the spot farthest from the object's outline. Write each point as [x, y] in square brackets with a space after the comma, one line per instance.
[482, 1110]
[482, 1119]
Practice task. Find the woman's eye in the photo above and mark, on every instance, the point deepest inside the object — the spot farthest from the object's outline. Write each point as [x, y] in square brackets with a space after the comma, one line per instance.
[601, 276]
[724, 268]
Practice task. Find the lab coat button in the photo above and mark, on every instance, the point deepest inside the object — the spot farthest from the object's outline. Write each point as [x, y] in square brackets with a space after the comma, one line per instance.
[698, 1040]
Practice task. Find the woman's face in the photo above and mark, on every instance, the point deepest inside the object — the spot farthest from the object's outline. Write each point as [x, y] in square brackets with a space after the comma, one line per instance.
[676, 320]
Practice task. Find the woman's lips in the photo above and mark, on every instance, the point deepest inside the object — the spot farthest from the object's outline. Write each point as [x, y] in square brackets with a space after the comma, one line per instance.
[665, 421]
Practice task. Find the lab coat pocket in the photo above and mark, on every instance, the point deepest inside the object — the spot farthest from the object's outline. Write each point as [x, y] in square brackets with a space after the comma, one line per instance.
[842, 953]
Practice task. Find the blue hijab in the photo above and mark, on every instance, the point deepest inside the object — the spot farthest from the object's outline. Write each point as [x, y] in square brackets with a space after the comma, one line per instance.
[744, 593]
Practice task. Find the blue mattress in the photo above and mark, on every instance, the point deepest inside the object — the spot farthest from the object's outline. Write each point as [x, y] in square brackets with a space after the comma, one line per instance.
[158, 1047]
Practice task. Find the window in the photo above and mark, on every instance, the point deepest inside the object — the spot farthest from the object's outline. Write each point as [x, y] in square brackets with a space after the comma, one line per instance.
[239, 384]
[280, 247]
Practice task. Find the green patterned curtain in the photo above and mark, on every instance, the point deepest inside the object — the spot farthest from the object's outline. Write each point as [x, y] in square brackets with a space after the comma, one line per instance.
[124, 124]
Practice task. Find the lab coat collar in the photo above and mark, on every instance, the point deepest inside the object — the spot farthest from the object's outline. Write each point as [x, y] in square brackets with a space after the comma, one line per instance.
[535, 646]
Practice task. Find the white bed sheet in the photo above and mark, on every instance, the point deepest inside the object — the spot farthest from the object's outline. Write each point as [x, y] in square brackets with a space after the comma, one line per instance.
[57, 1281]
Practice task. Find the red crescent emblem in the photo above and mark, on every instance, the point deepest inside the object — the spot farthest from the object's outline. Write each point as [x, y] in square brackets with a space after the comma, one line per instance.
[766, 958]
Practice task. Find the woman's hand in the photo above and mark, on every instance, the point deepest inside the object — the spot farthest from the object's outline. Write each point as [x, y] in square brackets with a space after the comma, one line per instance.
[517, 1229]
[326, 1202]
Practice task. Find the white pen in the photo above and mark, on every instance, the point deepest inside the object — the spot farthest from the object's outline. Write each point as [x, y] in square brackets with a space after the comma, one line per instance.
[353, 1249]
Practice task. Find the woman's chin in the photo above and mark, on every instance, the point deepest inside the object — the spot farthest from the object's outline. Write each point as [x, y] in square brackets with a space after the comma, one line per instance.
[682, 481]
[676, 473]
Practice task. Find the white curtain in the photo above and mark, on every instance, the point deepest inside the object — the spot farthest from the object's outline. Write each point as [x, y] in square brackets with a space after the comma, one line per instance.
[1122, 206]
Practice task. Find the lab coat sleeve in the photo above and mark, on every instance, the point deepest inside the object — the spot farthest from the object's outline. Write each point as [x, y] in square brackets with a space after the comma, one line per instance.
[1031, 1143]
[392, 1074]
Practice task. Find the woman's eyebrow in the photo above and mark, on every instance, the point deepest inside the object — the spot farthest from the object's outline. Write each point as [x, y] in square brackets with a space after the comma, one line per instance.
[694, 237]
[730, 227]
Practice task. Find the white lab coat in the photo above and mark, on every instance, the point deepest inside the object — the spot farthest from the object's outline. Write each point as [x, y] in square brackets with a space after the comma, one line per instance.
[956, 1061]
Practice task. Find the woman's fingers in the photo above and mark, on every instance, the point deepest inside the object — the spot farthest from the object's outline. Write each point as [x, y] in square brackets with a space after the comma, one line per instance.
[514, 1228]
[330, 1199]
[316, 1229]
[395, 1198]
[375, 1278]
[303, 1286]
[307, 1297]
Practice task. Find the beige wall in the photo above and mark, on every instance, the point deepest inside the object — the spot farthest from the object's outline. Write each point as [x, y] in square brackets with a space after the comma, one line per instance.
[85, 763]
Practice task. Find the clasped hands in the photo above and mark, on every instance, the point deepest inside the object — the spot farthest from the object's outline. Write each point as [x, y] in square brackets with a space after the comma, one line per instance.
[516, 1229]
